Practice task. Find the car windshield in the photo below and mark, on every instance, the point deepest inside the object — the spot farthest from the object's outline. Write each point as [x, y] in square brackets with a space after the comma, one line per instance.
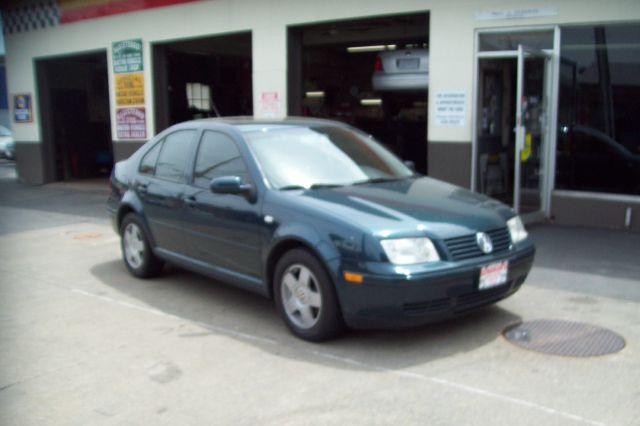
[295, 156]
[4, 131]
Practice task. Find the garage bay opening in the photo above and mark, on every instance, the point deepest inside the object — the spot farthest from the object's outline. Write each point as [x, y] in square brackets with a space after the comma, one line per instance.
[202, 77]
[372, 73]
[76, 126]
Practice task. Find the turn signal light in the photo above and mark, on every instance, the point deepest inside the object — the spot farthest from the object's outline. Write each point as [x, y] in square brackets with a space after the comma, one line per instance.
[353, 278]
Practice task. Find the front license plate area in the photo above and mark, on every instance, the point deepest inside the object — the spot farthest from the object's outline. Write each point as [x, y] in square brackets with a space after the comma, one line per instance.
[493, 275]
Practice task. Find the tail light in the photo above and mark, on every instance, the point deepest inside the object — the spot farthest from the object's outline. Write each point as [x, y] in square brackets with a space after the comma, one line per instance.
[378, 66]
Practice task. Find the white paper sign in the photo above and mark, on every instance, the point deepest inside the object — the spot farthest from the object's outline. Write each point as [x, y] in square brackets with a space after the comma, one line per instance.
[451, 109]
[532, 12]
[270, 105]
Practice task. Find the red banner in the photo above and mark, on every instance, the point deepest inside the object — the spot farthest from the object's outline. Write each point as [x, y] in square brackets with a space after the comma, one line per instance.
[79, 10]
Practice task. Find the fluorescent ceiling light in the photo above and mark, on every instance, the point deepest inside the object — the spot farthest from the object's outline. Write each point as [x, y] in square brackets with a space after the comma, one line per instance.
[371, 102]
[317, 94]
[376, 48]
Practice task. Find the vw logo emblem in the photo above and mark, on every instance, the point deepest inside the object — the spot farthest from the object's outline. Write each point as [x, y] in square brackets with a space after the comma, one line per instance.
[484, 242]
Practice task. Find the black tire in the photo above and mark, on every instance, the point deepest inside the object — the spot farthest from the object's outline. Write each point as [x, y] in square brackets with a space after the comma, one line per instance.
[318, 317]
[136, 251]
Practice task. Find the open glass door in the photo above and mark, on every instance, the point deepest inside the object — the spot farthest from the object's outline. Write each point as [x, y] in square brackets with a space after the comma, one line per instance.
[513, 124]
[531, 131]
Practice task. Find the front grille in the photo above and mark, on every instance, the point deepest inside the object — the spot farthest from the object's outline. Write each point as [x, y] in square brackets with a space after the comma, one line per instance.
[466, 247]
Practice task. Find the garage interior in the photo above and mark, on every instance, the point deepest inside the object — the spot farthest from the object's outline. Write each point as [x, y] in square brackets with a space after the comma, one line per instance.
[330, 76]
[76, 126]
[202, 77]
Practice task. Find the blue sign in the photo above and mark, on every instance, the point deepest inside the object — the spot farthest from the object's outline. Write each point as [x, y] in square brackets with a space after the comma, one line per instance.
[22, 110]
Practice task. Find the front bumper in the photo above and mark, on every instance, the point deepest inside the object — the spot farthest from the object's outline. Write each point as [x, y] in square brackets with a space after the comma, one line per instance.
[385, 301]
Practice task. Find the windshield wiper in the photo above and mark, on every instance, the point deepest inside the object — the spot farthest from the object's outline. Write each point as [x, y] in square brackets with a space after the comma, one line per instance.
[325, 185]
[314, 186]
[379, 180]
[291, 187]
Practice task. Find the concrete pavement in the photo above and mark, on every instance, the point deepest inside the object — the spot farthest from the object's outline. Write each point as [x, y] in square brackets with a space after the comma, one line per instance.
[83, 342]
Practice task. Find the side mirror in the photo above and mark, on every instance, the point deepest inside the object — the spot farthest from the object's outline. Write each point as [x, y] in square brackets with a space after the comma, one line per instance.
[411, 165]
[232, 185]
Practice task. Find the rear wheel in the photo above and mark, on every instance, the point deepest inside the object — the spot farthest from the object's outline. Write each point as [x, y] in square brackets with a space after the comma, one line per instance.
[136, 250]
[305, 297]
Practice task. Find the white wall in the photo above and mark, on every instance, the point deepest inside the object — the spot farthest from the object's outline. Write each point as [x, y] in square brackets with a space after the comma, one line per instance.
[453, 24]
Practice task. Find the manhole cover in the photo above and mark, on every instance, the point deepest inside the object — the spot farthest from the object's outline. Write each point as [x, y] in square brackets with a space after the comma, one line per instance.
[564, 338]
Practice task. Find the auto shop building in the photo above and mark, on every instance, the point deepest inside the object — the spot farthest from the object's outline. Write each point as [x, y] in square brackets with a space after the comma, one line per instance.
[533, 103]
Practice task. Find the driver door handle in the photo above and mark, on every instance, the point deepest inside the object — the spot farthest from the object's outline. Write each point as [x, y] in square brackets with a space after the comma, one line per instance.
[142, 186]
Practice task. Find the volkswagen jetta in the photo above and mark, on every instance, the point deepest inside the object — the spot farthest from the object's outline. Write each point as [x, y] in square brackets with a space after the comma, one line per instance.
[318, 216]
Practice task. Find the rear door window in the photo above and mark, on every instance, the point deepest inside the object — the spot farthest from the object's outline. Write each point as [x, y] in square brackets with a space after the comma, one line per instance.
[174, 155]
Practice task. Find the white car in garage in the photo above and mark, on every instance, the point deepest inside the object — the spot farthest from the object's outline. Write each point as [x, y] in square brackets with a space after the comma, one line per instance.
[7, 145]
[401, 70]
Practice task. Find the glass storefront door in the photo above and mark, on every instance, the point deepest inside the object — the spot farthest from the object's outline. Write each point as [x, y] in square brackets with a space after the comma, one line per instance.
[514, 98]
[531, 132]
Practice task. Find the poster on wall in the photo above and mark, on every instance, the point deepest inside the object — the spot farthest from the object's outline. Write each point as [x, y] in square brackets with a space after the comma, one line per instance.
[127, 56]
[130, 89]
[131, 123]
[22, 108]
[451, 109]
[270, 105]
[131, 118]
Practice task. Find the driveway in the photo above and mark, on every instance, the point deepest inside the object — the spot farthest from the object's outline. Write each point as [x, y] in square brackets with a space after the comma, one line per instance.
[82, 342]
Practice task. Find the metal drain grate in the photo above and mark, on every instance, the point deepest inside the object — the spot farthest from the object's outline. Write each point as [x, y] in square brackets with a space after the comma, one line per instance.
[564, 338]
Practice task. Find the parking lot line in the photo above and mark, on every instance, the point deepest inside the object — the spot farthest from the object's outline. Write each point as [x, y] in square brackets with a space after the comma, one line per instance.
[350, 361]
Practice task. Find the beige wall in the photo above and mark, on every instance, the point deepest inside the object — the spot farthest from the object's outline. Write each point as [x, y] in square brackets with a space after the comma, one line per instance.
[453, 26]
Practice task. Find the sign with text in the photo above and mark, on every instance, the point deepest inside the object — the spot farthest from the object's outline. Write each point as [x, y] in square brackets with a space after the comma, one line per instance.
[270, 104]
[451, 109]
[130, 89]
[22, 108]
[531, 12]
[127, 56]
[131, 123]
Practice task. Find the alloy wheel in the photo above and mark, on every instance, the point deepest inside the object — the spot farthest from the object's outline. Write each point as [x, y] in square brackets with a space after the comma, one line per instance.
[301, 297]
[133, 245]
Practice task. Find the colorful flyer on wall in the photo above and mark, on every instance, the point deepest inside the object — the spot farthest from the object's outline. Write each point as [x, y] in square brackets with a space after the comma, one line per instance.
[22, 108]
[130, 89]
[131, 123]
[127, 56]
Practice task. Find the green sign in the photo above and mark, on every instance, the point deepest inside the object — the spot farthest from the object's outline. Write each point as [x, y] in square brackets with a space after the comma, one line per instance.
[127, 56]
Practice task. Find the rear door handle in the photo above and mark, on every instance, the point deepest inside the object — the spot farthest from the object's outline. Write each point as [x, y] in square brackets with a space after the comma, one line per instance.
[190, 200]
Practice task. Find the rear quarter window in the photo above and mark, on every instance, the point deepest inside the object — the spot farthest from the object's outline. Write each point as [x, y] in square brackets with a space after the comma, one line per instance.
[148, 163]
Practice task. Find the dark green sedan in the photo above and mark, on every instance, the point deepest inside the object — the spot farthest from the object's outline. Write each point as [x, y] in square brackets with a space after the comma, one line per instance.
[318, 216]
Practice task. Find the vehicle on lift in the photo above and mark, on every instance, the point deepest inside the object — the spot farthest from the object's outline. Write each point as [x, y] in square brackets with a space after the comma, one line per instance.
[320, 217]
[401, 70]
[7, 144]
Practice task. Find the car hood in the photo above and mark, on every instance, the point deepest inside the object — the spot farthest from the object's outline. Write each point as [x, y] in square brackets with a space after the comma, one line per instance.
[409, 207]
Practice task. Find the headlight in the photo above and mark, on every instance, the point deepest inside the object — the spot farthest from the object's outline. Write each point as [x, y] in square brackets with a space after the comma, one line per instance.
[516, 229]
[407, 251]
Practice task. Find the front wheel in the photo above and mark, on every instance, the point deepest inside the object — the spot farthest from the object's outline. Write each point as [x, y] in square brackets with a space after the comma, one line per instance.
[305, 297]
[136, 251]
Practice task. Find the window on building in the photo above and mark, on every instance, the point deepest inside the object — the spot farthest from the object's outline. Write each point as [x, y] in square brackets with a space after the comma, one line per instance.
[173, 157]
[599, 130]
[199, 96]
[217, 156]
